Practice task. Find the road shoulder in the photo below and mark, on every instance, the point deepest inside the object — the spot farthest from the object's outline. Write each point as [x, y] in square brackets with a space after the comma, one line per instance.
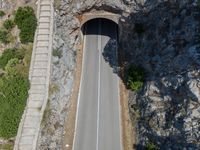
[69, 128]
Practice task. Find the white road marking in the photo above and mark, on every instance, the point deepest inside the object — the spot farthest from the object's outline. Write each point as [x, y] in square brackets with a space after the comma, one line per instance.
[99, 86]
[119, 104]
[80, 87]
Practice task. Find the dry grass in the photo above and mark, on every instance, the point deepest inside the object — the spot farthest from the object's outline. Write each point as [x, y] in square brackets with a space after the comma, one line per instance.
[57, 4]
[7, 146]
[128, 131]
[53, 88]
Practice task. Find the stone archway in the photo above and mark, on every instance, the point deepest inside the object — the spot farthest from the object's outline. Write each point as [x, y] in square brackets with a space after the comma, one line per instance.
[99, 14]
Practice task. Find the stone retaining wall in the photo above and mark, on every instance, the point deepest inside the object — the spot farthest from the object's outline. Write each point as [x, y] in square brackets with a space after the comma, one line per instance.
[39, 75]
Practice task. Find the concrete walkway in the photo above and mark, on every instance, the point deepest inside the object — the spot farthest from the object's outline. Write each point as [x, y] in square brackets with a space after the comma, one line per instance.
[39, 79]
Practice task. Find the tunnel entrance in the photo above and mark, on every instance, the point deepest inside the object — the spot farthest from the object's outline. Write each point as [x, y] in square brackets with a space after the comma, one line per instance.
[107, 31]
[99, 14]
[110, 26]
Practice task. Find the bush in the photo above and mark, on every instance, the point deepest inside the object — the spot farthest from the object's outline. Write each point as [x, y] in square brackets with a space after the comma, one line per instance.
[14, 87]
[27, 23]
[10, 67]
[151, 146]
[9, 24]
[2, 13]
[4, 36]
[198, 2]
[11, 53]
[14, 92]
[6, 56]
[57, 53]
[139, 28]
[135, 78]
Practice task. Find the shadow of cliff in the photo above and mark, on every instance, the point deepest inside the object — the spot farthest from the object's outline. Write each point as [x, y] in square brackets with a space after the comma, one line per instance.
[109, 42]
[161, 46]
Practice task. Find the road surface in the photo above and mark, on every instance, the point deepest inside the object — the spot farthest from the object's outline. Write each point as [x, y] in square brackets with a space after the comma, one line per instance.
[98, 110]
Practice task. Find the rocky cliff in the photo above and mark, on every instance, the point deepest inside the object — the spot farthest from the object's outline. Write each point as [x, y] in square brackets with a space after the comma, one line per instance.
[167, 47]
[160, 36]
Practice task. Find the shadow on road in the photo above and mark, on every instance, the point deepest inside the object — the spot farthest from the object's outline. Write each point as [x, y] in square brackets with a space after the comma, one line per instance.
[109, 29]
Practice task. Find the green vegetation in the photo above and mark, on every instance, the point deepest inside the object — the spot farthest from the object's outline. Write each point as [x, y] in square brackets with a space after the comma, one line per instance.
[57, 53]
[5, 34]
[6, 56]
[27, 22]
[8, 24]
[53, 88]
[14, 69]
[2, 13]
[57, 4]
[14, 87]
[4, 37]
[139, 28]
[151, 146]
[135, 78]
[198, 2]
[14, 92]
[135, 113]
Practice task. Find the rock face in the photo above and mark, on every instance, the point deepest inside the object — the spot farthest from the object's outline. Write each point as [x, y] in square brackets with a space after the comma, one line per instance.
[161, 36]
[66, 38]
[168, 48]
[5, 5]
[63, 65]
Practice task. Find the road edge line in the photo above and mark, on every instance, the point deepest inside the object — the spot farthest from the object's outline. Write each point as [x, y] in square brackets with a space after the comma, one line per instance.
[99, 83]
[119, 97]
[80, 86]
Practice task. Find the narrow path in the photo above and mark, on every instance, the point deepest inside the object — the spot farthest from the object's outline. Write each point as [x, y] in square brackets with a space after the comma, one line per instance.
[39, 79]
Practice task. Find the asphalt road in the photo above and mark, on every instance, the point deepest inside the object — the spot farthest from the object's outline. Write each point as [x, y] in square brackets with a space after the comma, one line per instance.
[98, 110]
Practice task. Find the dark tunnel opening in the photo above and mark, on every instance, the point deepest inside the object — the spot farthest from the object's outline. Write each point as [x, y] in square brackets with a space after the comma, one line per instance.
[105, 28]
[105, 23]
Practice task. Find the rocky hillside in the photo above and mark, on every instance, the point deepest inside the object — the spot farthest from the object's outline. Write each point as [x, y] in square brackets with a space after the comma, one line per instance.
[164, 39]
[160, 36]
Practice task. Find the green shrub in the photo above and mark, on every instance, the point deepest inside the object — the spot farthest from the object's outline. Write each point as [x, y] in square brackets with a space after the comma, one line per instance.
[27, 23]
[13, 91]
[57, 53]
[13, 95]
[151, 146]
[6, 56]
[10, 67]
[9, 24]
[4, 36]
[135, 78]
[2, 13]
[11, 53]
[198, 2]
[139, 28]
